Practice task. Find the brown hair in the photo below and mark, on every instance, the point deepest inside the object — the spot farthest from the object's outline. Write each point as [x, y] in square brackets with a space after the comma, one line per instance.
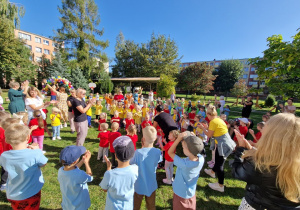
[16, 133]
[33, 89]
[25, 117]
[131, 129]
[38, 114]
[10, 121]
[3, 117]
[62, 89]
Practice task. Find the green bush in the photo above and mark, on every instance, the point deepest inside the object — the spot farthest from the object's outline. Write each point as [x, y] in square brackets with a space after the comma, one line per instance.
[270, 101]
[194, 97]
[166, 86]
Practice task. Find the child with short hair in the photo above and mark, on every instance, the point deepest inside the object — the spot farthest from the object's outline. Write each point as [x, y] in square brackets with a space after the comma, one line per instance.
[173, 135]
[242, 128]
[89, 115]
[55, 123]
[188, 169]
[265, 118]
[146, 183]
[25, 179]
[72, 180]
[151, 114]
[176, 118]
[219, 109]
[120, 109]
[202, 113]
[113, 108]
[128, 121]
[112, 136]
[119, 182]
[184, 122]
[102, 119]
[38, 133]
[131, 133]
[98, 106]
[145, 110]
[115, 118]
[256, 136]
[179, 109]
[104, 143]
[226, 111]
[146, 122]
[166, 108]
[137, 116]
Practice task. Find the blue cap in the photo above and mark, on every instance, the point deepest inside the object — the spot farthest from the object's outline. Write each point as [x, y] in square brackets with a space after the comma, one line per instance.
[71, 153]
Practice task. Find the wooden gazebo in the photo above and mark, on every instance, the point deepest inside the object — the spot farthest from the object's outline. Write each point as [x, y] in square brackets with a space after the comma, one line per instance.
[149, 80]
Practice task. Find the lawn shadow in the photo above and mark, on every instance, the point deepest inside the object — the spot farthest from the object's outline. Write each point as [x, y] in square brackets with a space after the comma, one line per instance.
[169, 201]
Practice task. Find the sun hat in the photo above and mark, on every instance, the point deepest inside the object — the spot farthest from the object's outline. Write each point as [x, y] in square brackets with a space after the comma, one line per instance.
[71, 153]
[124, 148]
[244, 120]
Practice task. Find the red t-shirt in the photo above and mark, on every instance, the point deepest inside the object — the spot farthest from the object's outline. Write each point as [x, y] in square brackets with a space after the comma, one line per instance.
[39, 131]
[159, 131]
[145, 123]
[101, 121]
[134, 139]
[167, 111]
[118, 97]
[53, 93]
[131, 107]
[112, 136]
[115, 119]
[257, 136]
[104, 139]
[129, 122]
[207, 120]
[166, 148]
[243, 131]
[3, 145]
[192, 117]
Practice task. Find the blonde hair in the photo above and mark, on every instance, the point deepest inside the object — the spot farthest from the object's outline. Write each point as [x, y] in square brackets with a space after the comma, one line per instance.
[10, 121]
[14, 84]
[25, 117]
[103, 114]
[211, 110]
[33, 89]
[175, 133]
[131, 130]
[115, 126]
[3, 116]
[104, 126]
[38, 114]
[129, 114]
[279, 148]
[150, 134]
[16, 134]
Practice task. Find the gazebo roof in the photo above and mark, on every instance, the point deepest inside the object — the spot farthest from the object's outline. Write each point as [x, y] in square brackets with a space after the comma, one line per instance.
[137, 79]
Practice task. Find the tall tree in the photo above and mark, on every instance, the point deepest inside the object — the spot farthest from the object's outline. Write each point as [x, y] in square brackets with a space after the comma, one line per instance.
[58, 67]
[11, 13]
[239, 89]
[104, 84]
[228, 74]
[80, 20]
[280, 66]
[166, 85]
[78, 80]
[197, 77]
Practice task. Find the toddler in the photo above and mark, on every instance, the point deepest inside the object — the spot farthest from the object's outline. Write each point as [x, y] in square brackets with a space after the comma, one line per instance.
[166, 109]
[179, 109]
[72, 180]
[226, 111]
[145, 110]
[89, 115]
[55, 123]
[173, 135]
[242, 128]
[98, 106]
[146, 122]
[265, 118]
[184, 122]
[25, 179]
[104, 144]
[176, 118]
[202, 113]
[151, 114]
[256, 136]
[111, 138]
[137, 116]
[38, 133]
[102, 119]
[128, 121]
[119, 182]
[115, 118]
[131, 133]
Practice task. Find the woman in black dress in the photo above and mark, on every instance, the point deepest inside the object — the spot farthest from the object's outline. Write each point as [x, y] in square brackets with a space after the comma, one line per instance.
[246, 111]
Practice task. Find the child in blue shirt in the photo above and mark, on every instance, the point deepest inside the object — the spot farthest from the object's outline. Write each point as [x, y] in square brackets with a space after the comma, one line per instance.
[72, 180]
[202, 113]
[188, 169]
[119, 182]
[226, 111]
[23, 163]
[146, 183]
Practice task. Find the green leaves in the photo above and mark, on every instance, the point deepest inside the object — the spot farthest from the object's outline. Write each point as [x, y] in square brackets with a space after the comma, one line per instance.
[166, 85]
[240, 88]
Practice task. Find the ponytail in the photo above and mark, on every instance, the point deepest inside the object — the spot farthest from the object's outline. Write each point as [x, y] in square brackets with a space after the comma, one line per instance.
[38, 114]
[211, 110]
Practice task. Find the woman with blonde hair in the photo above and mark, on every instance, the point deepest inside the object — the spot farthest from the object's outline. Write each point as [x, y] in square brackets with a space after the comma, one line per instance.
[16, 96]
[222, 142]
[272, 170]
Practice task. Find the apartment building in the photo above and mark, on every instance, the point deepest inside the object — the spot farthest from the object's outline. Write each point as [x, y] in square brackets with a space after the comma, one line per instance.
[249, 73]
[38, 45]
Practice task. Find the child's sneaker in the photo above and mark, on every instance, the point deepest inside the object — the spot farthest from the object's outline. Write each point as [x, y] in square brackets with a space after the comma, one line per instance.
[66, 125]
[44, 152]
[167, 181]
[61, 126]
[3, 187]
[53, 138]
[210, 173]
[216, 186]
[58, 138]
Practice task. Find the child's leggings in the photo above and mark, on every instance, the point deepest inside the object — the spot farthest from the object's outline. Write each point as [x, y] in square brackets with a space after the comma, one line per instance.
[39, 140]
[169, 169]
[101, 152]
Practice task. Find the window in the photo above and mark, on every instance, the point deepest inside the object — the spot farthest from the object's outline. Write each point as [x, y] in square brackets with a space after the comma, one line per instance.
[252, 83]
[252, 68]
[28, 46]
[253, 75]
[212, 64]
[24, 36]
[54, 53]
[38, 40]
[218, 64]
[246, 69]
[38, 59]
[38, 50]
[46, 42]
[47, 52]
[245, 76]
[54, 44]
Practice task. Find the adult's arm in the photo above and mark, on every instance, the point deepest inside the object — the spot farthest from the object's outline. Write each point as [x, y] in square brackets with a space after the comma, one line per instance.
[208, 133]
[25, 85]
[69, 103]
[34, 107]
[172, 149]
[83, 110]
[155, 124]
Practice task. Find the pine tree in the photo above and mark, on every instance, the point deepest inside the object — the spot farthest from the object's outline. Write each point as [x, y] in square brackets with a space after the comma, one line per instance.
[105, 84]
[59, 68]
[78, 80]
[80, 20]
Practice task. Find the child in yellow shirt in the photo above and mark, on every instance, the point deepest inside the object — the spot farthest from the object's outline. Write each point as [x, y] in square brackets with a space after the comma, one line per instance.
[55, 123]
[99, 108]
[145, 110]
[113, 108]
[137, 116]
[126, 110]
[89, 115]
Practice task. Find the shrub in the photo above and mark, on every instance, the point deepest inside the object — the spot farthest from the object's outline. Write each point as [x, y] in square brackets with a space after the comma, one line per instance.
[166, 86]
[194, 97]
[270, 101]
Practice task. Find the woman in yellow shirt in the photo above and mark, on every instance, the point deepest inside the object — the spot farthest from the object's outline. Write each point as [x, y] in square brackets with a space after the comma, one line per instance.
[224, 146]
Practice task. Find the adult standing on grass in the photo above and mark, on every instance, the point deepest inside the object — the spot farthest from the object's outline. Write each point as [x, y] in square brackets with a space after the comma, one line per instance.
[290, 108]
[224, 146]
[16, 97]
[62, 105]
[221, 101]
[70, 110]
[272, 169]
[247, 107]
[80, 119]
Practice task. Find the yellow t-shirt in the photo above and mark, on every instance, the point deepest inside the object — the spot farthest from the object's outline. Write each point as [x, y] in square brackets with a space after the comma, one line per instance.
[218, 126]
[55, 121]
[125, 112]
[121, 112]
[98, 109]
[112, 109]
[145, 111]
[89, 112]
[197, 130]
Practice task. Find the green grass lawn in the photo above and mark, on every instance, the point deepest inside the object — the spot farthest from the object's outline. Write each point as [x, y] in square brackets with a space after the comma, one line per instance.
[206, 198]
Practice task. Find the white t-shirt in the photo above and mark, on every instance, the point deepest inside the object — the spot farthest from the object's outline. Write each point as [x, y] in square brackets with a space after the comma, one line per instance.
[151, 96]
[1, 100]
[222, 102]
[34, 101]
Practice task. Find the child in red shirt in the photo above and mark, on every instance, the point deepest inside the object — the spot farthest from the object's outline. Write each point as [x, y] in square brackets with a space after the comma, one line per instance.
[104, 143]
[192, 115]
[243, 129]
[131, 132]
[256, 136]
[166, 109]
[112, 136]
[38, 133]
[128, 121]
[102, 119]
[115, 118]
[146, 122]
[168, 160]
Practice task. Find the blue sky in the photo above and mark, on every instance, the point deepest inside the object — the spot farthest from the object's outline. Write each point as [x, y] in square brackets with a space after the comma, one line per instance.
[202, 29]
